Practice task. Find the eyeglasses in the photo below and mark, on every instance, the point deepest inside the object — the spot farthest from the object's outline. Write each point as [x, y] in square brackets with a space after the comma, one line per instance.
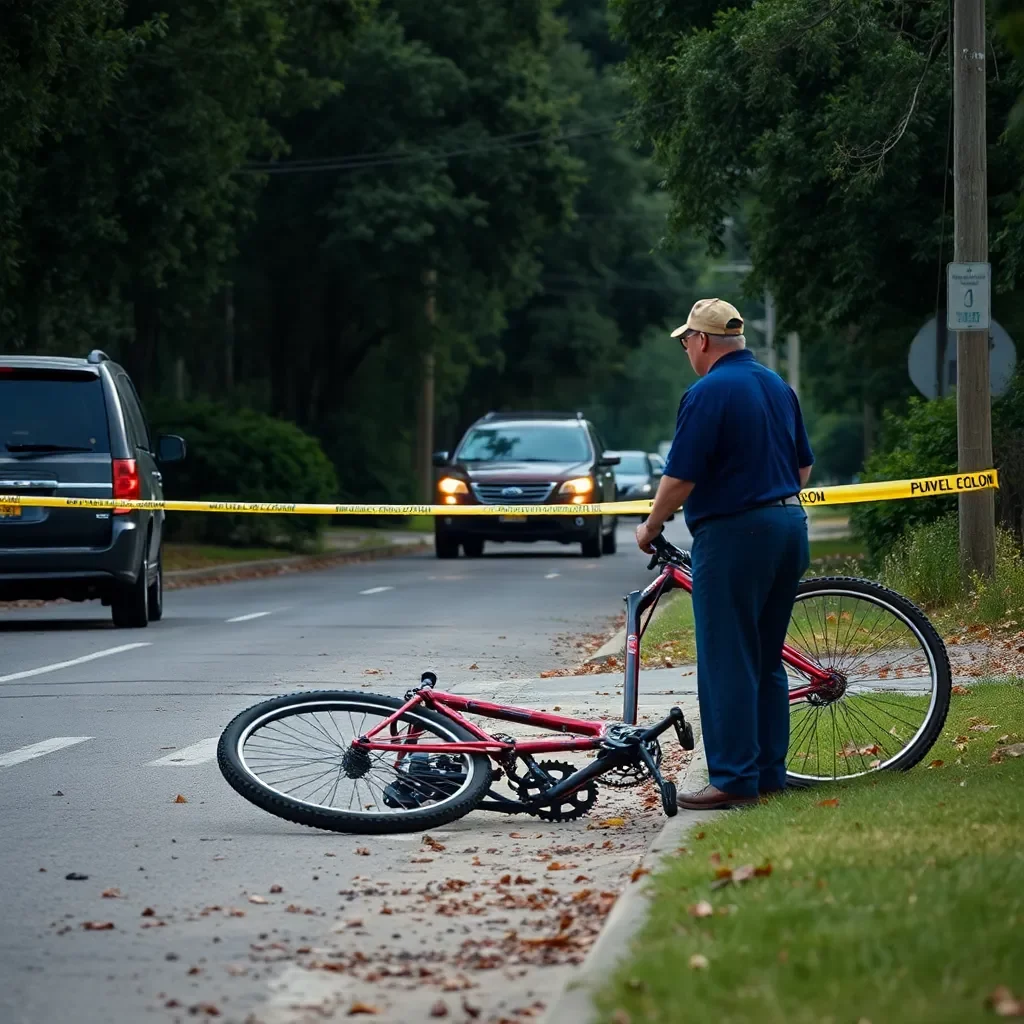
[685, 338]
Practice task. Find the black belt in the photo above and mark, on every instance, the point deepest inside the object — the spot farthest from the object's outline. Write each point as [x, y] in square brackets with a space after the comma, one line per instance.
[793, 499]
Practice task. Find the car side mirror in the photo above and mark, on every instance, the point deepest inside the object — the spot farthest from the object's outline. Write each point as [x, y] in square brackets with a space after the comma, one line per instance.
[609, 460]
[170, 448]
[657, 473]
[440, 458]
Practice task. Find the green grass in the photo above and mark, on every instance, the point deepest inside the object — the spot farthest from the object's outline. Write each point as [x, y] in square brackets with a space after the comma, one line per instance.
[202, 556]
[903, 901]
[671, 633]
[839, 547]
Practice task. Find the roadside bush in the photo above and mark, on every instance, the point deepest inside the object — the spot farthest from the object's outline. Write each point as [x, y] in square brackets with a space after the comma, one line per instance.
[925, 566]
[922, 442]
[242, 455]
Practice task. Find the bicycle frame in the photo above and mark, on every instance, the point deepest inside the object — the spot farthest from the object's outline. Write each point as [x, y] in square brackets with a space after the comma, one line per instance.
[586, 734]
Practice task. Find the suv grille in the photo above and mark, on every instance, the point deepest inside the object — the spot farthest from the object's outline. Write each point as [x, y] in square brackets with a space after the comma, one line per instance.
[524, 494]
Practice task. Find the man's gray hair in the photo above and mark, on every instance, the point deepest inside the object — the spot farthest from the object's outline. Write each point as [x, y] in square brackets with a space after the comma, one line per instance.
[732, 339]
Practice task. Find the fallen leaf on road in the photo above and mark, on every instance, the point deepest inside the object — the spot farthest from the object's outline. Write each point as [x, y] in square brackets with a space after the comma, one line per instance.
[179, 799]
[75, 876]
[431, 843]
[257, 899]
[111, 894]
[612, 823]
[702, 909]
[833, 802]
[98, 926]
[149, 912]
[523, 880]
[207, 1009]
[422, 860]
[580, 878]
[236, 970]
[195, 970]
[639, 873]
[556, 866]
[439, 1009]
[699, 962]
[58, 793]
[366, 1008]
[469, 1009]
[472, 667]
[276, 888]
[362, 851]
[1004, 1003]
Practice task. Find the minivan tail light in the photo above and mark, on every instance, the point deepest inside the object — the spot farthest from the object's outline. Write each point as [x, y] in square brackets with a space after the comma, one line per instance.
[126, 483]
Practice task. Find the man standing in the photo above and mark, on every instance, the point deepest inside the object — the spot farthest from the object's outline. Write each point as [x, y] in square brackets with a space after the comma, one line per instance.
[738, 461]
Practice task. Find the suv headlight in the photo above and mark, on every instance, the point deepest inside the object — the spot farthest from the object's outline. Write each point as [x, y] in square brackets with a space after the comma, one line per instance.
[580, 488]
[450, 486]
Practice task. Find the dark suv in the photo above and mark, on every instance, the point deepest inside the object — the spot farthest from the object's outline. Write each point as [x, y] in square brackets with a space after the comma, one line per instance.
[75, 428]
[524, 459]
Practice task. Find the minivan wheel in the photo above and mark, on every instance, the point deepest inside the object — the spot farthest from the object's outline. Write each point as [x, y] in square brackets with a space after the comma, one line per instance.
[155, 595]
[130, 605]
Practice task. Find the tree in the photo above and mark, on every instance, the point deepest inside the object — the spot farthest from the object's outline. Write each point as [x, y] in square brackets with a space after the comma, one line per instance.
[830, 121]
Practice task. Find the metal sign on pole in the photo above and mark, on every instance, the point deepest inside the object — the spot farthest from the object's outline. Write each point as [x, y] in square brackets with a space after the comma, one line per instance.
[969, 302]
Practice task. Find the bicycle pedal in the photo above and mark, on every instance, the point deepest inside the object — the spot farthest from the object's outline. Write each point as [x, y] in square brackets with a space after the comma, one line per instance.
[684, 731]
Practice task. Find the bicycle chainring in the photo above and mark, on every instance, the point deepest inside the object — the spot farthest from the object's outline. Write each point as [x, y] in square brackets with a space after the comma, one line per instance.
[629, 775]
[569, 808]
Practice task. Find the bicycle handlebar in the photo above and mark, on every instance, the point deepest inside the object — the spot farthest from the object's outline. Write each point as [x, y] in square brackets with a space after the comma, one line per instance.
[666, 552]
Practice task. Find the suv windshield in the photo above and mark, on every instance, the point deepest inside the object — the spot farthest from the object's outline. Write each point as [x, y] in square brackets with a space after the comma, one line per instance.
[632, 464]
[47, 412]
[525, 442]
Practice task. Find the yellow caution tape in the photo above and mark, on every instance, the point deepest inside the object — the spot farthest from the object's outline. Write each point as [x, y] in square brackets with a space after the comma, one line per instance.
[885, 490]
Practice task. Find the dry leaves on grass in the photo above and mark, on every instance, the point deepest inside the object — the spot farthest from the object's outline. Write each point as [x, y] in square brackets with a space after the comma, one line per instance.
[833, 802]
[1012, 750]
[701, 909]
[1004, 1003]
[699, 962]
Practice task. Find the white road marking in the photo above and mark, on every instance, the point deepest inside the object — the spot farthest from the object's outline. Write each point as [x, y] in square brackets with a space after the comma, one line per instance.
[249, 617]
[552, 575]
[197, 753]
[74, 661]
[376, 590]
[39, 749]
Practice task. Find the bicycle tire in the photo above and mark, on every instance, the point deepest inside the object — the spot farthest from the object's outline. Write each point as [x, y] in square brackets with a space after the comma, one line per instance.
[248, 785]
[930, 730]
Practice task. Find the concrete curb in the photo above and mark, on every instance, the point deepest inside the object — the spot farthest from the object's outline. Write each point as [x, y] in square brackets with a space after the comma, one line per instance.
[575, 1003]
[278, 566]
[616, 646]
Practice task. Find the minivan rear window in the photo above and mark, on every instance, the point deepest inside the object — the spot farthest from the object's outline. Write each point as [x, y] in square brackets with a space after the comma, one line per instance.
[49, 411]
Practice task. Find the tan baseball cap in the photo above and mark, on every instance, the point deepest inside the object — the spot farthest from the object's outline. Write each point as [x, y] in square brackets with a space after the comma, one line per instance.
[712, 316]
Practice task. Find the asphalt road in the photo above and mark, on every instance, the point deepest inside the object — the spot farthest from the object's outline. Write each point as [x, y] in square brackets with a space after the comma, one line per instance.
[101, 730]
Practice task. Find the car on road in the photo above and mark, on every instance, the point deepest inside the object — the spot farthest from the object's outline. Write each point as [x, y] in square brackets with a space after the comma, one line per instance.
[75, 428]
[526, 459]
[636, 476]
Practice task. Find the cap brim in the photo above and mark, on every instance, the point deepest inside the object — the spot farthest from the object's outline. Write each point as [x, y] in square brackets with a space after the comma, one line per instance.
[680, 330]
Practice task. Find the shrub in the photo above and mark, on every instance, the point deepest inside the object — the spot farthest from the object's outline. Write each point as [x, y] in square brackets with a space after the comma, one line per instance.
[923, 442]
[242, 455]
[924, 565]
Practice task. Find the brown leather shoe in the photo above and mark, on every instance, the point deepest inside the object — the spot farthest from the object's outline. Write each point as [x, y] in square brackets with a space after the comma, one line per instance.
[711, 798]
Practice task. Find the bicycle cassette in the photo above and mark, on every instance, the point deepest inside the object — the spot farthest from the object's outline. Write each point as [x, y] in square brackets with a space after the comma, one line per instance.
[532, 786]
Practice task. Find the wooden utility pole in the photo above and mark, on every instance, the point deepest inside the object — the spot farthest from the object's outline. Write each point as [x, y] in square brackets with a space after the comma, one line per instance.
[425, 431]
[970, 233]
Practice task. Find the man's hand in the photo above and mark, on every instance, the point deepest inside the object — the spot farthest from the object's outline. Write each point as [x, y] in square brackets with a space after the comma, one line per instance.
[644, 535]
[672, 493]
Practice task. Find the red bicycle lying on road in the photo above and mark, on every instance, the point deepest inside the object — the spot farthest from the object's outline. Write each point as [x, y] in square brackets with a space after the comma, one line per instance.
[869, 691]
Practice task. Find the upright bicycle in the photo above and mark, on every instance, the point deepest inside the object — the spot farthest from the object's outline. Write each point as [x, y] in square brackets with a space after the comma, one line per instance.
[869, 691]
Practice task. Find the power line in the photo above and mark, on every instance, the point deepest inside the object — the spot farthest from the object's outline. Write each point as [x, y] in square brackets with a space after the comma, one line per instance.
[388, 158]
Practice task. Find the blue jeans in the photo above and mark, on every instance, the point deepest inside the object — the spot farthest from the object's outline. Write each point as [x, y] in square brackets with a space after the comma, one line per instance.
[746, 569]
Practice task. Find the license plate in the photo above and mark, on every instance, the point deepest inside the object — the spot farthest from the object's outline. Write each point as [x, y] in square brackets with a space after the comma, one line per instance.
[10, 511]
[512, 519]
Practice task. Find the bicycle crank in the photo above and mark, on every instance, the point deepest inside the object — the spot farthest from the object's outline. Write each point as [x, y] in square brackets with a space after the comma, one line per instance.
[543, 776]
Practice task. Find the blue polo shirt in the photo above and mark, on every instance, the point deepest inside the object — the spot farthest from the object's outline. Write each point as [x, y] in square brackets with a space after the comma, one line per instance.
[740, 438]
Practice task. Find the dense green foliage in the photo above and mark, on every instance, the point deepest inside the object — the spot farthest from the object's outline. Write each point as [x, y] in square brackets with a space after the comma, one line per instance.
[243, 456]
[825, 127]
[243, 200]
[922, 442]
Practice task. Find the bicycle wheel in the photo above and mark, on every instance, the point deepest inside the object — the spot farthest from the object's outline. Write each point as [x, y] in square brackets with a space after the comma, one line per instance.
[293, 756]
[890, 691]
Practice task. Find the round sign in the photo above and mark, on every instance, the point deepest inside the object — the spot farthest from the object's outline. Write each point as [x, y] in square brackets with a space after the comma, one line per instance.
[1002, 360]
